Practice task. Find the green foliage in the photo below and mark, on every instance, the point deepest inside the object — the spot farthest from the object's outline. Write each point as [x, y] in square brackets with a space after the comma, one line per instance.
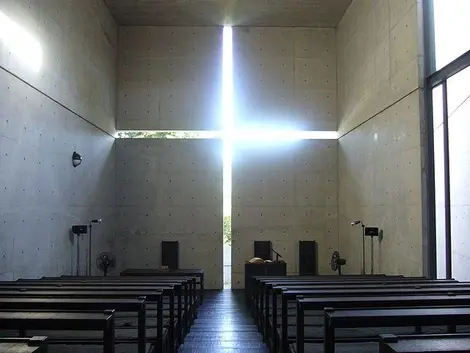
[157, 134]
[228, 230]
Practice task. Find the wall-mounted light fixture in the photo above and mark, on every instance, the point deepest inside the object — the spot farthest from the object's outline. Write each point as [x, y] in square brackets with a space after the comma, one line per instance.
[76, 159]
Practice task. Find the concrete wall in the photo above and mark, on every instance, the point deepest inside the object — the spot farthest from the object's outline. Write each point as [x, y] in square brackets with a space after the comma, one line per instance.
[379, 118]
[169, 78]
[72, 47]
[284, 192]
[285, 78]
[378, 59]
[51, 92]
[170, 190]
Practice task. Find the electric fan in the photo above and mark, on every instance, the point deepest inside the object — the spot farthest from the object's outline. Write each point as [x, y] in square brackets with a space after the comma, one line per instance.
[337, 262]
[106, 262]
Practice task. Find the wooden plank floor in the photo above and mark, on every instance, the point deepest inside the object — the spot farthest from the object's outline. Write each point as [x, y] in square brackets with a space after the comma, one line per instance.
[223, 326]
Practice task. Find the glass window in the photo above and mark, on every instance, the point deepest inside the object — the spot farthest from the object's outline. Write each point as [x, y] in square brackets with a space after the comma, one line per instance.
[439, 179]
[458, 90]
[452, 30]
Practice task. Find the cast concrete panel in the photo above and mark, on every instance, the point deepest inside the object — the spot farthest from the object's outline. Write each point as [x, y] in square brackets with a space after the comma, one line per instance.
[378, 61]
[169, 78]
[380, 184]
[170, 190]
[284, 192]
[285, 77]
[42, 195]
[288, 13]
[69, 54]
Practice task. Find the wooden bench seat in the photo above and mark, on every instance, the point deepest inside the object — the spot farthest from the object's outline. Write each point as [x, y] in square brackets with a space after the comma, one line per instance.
[315, 305]
[177, 292]
[363, 347]
[455, 343]
[126, 332]
[424, 344]
[57, 347]
[272, 288]
[186, 284]
[96, 296]
[132, 306]
[89, 321]
[269, 323]
[266, 288]
[37, 344]
[390, 317]
[198, 273]
[183, 313]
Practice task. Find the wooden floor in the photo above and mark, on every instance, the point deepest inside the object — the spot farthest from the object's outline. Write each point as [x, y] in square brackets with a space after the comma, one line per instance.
[223, 325]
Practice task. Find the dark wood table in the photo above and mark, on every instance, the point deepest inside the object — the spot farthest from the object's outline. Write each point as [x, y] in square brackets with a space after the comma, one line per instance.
[90, 321]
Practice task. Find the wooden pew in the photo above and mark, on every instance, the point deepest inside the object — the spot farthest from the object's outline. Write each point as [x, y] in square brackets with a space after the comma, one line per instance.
[198, 273]
[89, 321]
[151, 296]
[189, 289]
[37, 344]
[290, 290]
[318, 304]
[371, 293]
[314, 285]
[261, 286]
[313, 301]
[68, 304]
[261, 283]
[384, 317]
[452, 343]
[186, 310]
[271, 290]
[122, 284]
[257, 280]
[169, 288]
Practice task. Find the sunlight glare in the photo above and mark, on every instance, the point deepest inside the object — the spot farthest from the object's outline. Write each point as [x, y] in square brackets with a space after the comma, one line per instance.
[227, 109]
[227, 80]
[282, 135]
[21, 43]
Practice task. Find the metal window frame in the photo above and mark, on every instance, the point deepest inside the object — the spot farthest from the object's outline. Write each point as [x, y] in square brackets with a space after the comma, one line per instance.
[435, 78]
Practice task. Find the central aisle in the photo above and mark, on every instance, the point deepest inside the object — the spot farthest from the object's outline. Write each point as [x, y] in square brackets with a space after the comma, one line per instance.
[223, 326]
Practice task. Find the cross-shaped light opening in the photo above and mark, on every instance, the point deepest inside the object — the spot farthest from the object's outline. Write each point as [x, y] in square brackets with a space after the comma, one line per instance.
[231, 134]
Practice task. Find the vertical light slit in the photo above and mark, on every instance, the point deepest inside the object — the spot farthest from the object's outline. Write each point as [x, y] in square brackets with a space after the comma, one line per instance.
[227, 111]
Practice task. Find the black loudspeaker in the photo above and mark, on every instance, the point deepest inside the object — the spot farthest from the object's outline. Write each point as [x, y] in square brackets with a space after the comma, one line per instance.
[308, 259]
[79, 230]
[170, 254]
[263, 250]
[371, 232]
